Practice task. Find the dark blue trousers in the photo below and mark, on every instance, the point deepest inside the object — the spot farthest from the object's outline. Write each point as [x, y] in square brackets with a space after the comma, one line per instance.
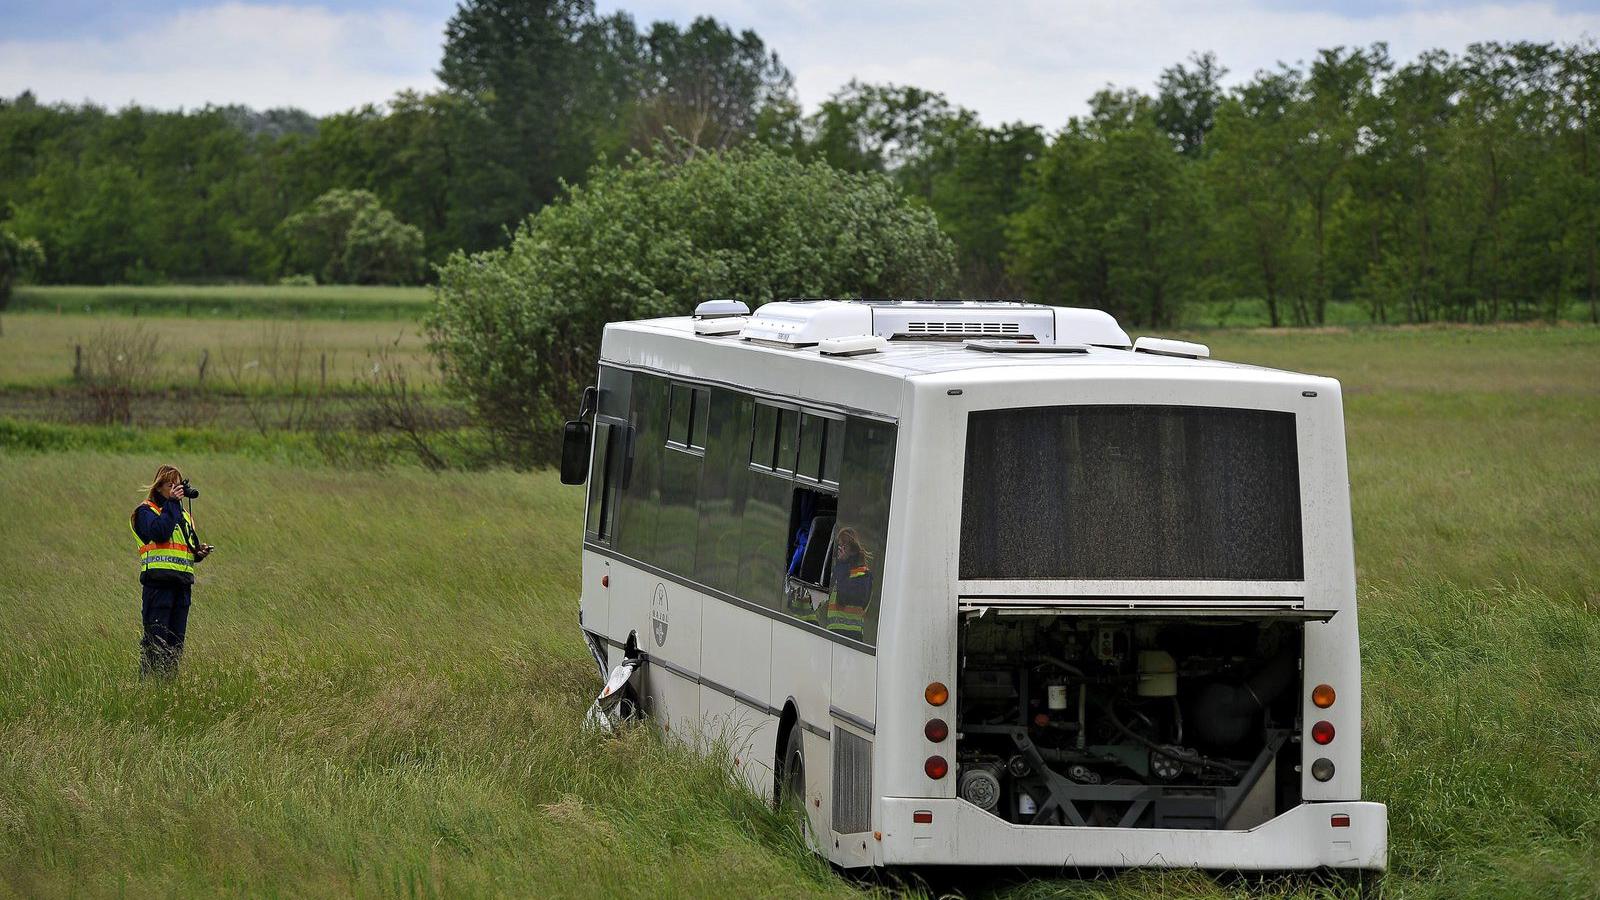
[166, 618]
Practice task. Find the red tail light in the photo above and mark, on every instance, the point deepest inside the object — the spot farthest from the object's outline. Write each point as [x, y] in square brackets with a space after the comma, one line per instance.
[922, 817]
[936, 767]
[1339, 821]
[936, 730]
[1322, 732]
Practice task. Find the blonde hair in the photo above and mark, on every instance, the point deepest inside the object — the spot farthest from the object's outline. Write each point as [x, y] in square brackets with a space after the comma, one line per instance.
[164, 475]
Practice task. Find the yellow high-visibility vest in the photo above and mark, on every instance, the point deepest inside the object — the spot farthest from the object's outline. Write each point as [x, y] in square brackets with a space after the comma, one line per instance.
[173, 556]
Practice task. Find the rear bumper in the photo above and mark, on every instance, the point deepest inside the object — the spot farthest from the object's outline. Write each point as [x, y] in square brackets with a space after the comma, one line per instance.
[1302, 838]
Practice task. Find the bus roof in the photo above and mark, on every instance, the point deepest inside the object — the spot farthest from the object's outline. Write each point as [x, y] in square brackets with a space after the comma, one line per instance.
[873, 381]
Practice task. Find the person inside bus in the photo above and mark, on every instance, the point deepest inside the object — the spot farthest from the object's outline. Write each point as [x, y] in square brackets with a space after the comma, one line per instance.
[852, 586]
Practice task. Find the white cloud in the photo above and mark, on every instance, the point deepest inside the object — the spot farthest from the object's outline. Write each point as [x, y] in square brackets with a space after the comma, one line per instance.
[260, 55]
[1033, 60]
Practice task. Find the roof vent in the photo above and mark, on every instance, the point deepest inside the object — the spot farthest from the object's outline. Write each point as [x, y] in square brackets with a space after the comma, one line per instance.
[851, 346]
[720, 309]
[988, 345]
[1166, 347]
[715, 318]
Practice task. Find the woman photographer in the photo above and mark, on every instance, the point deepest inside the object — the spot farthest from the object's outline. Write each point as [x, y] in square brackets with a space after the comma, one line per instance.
[168, 551]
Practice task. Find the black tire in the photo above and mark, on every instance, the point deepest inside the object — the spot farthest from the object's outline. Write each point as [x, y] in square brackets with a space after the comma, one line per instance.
[792, 782]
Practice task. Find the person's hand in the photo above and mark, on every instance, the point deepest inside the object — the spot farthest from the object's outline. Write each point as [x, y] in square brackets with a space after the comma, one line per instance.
[175, 490]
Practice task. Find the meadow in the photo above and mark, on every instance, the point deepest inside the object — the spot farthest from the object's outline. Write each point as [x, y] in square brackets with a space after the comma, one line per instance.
[383, 680]
[228, 301]
[42, 348]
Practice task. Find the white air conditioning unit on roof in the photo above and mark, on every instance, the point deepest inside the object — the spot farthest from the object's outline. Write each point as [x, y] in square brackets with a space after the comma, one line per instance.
[805, 323]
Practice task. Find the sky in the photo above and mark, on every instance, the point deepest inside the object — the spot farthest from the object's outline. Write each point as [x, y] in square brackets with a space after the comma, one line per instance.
[1034, 61]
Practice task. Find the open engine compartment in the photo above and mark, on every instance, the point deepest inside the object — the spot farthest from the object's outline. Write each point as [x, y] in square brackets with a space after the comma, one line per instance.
[1129, 721]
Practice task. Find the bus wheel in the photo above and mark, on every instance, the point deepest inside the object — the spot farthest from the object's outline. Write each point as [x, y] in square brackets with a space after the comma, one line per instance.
[792, 790]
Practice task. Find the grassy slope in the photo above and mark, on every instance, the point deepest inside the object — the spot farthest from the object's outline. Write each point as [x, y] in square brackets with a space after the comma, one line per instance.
[365, 710]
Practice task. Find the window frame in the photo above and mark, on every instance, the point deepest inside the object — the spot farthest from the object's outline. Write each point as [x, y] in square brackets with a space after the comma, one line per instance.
[698, 416]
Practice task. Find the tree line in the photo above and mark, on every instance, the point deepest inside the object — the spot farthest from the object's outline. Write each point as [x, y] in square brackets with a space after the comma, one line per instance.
[1455, 187]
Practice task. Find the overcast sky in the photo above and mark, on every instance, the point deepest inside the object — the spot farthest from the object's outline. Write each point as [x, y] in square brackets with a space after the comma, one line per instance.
[1027, 60]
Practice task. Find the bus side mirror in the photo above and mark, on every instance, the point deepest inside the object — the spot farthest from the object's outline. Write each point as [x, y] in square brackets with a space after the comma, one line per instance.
[575, 452]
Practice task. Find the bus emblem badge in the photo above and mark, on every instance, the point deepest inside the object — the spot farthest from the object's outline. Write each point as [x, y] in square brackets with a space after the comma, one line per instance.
[658, 614]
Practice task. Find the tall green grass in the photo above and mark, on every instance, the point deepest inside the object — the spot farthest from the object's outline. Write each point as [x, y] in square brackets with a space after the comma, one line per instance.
[380, 696]
[383, 680]
[232, 301]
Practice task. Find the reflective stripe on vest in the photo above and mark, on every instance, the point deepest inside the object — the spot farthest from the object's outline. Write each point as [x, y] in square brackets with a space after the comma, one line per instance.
[173, 556]
[849, 621]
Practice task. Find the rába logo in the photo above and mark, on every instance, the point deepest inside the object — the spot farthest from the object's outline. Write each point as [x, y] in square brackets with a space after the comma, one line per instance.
[658, 614]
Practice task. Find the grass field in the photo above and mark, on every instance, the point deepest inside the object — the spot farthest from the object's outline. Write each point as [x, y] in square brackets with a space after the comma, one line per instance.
[227, 301]
[384, 676]
[38, 349]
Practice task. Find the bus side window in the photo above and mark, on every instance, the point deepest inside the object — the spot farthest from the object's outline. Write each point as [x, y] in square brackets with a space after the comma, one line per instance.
[832, 450]
[865, 478]
[788, 439]
[701, 422]
[811, 433]
[603, 480]
[762, 435]
[679, 405]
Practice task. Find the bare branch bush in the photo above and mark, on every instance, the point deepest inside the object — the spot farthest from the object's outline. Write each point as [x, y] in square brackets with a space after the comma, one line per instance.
[276, 383]
[117, 366]
[389, 402]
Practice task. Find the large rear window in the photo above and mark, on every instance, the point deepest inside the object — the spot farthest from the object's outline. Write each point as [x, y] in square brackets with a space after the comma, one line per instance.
[1122, 492]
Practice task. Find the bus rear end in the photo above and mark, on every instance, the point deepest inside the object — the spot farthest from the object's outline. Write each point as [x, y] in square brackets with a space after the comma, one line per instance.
[1125, 627]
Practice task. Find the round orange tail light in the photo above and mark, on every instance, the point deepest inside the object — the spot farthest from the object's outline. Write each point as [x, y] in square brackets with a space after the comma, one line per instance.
[936, 767]
[1322, 732]
[1323, 696]
[937, 694]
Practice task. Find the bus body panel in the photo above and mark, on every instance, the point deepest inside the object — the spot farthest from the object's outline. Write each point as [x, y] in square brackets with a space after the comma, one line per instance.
[727, 669]
[1301, 838]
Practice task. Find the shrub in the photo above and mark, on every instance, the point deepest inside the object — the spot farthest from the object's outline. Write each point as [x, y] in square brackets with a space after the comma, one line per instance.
[347, 237]
[19, 256]
[517, 329]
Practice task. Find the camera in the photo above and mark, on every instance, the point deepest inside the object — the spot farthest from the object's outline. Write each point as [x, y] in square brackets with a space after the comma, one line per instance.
[190, 492]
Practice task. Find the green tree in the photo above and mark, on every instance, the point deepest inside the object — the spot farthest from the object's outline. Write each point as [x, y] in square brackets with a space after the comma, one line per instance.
[347, 237]
[707, 85]
[977, 185]
[1187, 99]
[1262, 245]
[19, 258]
[551, 78]
[1113, 217]
[518, 329]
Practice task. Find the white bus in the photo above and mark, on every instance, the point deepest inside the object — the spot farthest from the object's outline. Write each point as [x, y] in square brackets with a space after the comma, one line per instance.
[985, 582]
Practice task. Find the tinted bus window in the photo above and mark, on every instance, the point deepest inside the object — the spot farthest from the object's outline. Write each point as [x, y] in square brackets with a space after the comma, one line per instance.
[1114, 492]
[764, 434]
[701, 421]
[788, 428]
[724, 490]
[678, 427]
[860, 538]
[811, 429]
[833, 451]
